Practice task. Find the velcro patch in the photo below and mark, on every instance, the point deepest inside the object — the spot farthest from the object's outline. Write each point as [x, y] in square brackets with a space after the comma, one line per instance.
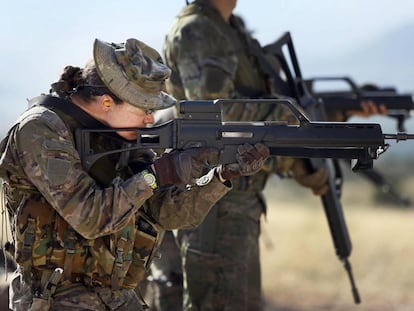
[57, 171]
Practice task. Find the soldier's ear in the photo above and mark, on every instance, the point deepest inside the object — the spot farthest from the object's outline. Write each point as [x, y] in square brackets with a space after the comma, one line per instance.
[106, 102]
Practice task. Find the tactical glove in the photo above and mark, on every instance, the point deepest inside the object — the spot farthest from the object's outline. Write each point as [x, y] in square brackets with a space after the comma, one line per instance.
[317, 181]
[250, 160]
[183, 167]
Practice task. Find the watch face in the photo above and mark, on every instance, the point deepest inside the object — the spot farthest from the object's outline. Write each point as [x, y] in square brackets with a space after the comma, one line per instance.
[203, 180]
[150, 179]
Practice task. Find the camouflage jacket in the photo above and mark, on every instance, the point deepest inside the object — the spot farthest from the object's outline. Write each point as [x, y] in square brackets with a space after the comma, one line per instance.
[210, 58]
[213, 59]
[53, 196]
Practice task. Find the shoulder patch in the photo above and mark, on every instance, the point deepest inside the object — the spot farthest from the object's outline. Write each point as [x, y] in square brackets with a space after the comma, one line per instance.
[57, 171]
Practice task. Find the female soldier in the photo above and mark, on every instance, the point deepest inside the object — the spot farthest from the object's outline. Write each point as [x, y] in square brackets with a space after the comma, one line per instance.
[84, 232]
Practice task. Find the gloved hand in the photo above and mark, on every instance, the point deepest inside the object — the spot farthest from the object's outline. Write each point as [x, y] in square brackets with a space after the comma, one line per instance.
[183, 167]
[317, 181]
[250, 160]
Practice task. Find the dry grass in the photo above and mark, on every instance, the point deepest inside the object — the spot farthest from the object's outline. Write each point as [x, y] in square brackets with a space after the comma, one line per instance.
[299, 266]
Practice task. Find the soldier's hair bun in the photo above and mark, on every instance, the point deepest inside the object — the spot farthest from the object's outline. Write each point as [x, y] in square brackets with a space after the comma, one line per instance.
[69, 80]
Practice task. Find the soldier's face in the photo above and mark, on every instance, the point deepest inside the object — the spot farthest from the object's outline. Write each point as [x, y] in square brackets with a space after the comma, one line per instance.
[125, 115]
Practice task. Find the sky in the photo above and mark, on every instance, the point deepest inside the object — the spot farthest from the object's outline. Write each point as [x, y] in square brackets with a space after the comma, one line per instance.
[40, 37]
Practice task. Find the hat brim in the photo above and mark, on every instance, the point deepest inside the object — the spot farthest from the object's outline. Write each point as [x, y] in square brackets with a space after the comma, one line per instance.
[115, 79]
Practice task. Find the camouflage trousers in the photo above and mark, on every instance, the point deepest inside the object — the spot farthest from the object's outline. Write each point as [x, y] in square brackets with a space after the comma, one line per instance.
[164, 288]
[229, 278]
[73, 297]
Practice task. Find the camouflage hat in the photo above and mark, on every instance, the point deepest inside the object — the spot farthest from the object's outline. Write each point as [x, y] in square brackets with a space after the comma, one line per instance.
[134, 72]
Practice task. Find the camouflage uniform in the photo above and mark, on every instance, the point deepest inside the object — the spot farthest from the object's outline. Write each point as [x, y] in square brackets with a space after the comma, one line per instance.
[212, 59]
[163, 288]
[83, 240]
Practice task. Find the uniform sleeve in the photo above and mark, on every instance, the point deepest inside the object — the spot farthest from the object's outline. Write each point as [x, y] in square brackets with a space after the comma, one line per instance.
[178, 208]
[204, 59]
[52, 164]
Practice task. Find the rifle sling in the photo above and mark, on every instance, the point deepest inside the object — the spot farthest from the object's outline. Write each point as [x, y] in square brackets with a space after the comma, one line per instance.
[77, 113]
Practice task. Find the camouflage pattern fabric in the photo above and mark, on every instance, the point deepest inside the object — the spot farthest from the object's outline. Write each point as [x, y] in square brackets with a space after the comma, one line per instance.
[228, 276]
[165, 292]
[212, 59]
[138, 74]
[161, 291]
[209, 58]
[76, 297]
[97, 215]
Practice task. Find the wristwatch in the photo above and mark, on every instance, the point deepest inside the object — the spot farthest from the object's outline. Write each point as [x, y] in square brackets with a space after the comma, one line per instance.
[150, 179]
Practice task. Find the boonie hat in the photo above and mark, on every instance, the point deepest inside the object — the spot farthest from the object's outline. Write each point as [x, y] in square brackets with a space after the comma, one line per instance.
[134, 72]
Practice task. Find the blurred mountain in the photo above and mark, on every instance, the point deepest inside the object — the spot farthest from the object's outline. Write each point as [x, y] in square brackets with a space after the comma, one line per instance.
[387, 61]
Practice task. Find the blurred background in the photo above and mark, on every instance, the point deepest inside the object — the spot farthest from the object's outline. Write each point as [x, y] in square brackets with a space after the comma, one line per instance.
[370, 41]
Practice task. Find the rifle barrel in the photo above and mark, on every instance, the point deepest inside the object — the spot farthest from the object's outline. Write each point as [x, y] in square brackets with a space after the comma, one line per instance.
[399, 136]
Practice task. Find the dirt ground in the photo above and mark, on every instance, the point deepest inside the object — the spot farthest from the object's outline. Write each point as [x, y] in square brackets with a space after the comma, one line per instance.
[300, 269]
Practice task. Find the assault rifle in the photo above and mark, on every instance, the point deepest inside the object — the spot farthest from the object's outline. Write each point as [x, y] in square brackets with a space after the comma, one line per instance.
[399, 106]
[201, 125]
[289, 80]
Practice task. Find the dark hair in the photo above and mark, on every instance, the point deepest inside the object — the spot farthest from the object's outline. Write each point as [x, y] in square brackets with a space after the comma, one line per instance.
[84, 83]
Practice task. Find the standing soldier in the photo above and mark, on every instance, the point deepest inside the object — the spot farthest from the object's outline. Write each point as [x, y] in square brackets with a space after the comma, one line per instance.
[210, 54]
